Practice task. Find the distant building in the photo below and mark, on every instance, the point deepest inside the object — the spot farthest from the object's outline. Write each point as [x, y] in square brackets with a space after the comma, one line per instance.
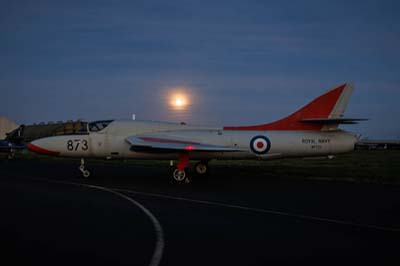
[6, 126]
[367, 144]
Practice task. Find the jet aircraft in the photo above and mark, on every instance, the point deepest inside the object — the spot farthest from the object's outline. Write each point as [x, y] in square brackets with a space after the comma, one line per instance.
[312, 131]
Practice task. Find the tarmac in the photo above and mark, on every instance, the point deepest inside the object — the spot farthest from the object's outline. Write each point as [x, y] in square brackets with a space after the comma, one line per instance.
[132, 215]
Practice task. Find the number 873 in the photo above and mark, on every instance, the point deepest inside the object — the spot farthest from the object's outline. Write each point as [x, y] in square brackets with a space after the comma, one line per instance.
[74, 145]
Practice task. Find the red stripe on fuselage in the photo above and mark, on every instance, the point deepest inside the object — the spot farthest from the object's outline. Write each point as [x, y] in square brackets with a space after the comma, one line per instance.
[168, 140]
[40, 150]
[321, 107]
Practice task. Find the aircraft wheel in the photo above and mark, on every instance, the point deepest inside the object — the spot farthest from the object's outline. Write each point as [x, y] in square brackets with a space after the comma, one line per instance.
[86, 173]
[201, 168]
[180, 177]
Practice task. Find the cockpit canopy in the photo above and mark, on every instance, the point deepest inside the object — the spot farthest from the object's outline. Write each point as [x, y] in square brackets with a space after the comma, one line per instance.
[97, 126]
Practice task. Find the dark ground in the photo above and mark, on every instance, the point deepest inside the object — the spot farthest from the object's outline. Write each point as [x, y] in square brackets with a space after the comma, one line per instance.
[290, 220]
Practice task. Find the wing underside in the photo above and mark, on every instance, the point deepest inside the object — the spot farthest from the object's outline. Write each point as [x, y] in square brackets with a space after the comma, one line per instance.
[159, 143]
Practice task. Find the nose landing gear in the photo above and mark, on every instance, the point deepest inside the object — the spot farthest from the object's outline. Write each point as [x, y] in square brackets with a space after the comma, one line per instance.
[85, 172]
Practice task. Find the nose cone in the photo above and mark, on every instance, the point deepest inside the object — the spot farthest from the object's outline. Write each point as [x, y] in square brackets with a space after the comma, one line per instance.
[42, 146]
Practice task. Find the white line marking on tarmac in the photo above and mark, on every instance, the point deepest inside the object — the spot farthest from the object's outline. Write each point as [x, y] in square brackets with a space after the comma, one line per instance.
[159, 247]
[300, 216]
[225, 205]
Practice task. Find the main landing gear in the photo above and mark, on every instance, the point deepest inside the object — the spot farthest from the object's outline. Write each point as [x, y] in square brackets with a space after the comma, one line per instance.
[180, 176]
[201, 168]
[180, 173]
[85, 172]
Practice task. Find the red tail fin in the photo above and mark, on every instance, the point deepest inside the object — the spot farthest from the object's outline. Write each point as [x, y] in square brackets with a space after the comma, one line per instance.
[329, 105]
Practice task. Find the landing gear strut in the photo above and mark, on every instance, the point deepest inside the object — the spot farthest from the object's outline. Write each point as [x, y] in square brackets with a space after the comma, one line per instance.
[85, 173]
[11, 152]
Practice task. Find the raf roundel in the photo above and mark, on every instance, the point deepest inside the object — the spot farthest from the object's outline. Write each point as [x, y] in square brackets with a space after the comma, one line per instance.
[260, 144]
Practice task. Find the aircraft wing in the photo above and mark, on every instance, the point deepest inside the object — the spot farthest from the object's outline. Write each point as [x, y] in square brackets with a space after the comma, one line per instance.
[165, 143]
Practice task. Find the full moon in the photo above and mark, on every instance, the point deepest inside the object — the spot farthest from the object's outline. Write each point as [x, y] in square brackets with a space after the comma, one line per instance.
[178, 101]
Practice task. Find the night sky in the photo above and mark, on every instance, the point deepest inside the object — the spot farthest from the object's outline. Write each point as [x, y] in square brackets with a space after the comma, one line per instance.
[240, 62]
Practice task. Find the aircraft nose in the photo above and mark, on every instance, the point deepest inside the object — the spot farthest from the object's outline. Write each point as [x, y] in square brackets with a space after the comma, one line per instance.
[41, 146]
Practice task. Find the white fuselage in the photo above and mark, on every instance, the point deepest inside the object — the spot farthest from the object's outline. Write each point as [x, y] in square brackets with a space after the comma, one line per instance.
[111, 142]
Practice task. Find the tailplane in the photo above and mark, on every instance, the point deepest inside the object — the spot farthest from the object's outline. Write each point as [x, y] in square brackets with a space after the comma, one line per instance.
[324, 113]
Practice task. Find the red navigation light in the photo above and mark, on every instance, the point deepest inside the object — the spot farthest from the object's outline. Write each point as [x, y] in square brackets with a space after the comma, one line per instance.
[189, 148]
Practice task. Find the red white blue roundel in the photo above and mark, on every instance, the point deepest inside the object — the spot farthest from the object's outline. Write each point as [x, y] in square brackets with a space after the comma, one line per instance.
[260, 144]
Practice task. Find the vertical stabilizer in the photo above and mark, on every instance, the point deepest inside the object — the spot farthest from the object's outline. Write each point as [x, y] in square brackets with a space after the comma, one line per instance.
[323, 113]
[341, 104]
